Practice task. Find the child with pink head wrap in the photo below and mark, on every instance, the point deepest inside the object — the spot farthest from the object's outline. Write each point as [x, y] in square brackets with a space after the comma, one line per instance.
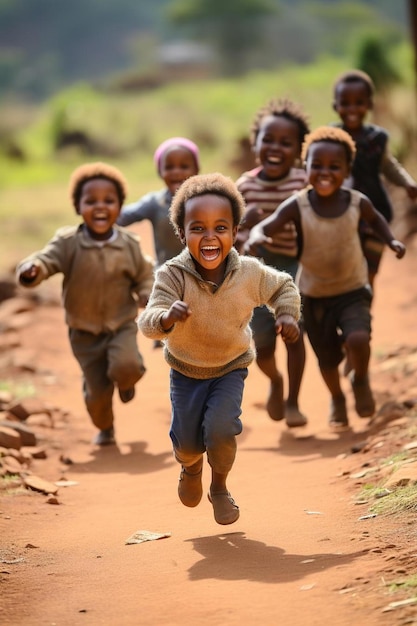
[176, 159]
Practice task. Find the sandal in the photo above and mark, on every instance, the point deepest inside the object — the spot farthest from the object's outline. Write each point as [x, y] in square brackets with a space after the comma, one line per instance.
[225, 509]
[190, 488]
[364, 400]
[338, 420]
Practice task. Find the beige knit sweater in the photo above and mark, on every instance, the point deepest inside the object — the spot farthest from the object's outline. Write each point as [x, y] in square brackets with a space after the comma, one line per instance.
[216, 338]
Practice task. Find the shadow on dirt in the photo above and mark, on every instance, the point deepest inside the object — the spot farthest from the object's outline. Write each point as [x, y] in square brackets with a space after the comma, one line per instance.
[233, 556]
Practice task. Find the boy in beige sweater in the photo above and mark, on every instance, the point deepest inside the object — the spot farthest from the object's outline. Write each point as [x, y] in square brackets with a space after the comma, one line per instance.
[106, 277]
[200, 306]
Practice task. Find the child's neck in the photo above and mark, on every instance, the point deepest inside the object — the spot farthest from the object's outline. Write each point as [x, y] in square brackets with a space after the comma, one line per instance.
[330, 206]
[263, 176]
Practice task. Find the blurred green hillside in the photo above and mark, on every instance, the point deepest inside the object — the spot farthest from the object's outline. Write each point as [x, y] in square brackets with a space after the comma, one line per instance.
[46, 45]
[125, 128]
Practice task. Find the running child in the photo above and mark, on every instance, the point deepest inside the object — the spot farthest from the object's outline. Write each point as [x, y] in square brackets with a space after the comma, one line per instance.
[175, 160]
[276, 137]
[333, 278]
[353, 94]
[106, 277]
[201, 305]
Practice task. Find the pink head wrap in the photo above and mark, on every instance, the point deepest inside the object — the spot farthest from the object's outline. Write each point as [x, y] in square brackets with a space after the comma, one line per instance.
[176, 142]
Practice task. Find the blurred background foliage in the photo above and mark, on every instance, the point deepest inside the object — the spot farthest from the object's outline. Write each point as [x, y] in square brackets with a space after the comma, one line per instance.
[110, 79]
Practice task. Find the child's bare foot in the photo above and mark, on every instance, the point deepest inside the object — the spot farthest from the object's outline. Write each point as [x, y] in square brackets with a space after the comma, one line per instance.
[225, 509]
[126, 395]
[364, 400]
[275, 402]
[294, 417]
[105, 437]
[190, 488]
[338, 419]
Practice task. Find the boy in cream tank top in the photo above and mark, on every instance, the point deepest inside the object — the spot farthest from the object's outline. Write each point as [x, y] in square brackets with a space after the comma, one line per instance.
[332, 277]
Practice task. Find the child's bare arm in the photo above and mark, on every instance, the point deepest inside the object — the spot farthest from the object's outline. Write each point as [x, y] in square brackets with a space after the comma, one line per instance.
[260, 234]
[178, 312]
[287, 327]
[380, 225]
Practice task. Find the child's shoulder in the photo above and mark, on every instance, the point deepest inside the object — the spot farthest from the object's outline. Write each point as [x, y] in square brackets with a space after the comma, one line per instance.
[66, 232]
[127, 235]
[249, 175]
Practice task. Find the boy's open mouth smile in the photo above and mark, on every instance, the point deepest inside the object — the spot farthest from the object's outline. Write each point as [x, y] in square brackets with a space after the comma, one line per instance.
[210, 253]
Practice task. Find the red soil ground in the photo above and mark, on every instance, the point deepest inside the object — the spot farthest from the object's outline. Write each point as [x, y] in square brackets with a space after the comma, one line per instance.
[298, 555]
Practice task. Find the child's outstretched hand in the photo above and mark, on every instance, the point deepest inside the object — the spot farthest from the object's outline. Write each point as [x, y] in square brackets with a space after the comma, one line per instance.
[142, 300]
[251, 246]
[179, 312]
[412, 191]
[398, 247]
[287, 327]
[28, 272]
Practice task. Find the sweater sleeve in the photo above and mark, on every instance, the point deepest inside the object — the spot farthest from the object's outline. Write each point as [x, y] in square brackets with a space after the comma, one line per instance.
[168, 287]
[137, 211]
[54, 258]
[279, 292]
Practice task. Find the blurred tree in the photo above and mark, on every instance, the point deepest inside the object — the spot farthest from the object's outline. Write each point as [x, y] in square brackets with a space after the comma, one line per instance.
[234, 27]
[412, 11]
[373, 59]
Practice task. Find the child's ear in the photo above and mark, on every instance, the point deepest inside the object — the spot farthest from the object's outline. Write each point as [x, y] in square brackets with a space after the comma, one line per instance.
[334, 106]
[181, 235]
[235, 229]
[370, 104]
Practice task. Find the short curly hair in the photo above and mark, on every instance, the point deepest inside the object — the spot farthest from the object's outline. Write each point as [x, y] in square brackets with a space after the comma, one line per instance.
[331, 134]
[355, 76]
[89, 171]
[280, 107]
[200, 185]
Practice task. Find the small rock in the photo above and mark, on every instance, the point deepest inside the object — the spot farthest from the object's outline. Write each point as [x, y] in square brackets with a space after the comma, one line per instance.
[29, 406]
[27, 436]
[402, 477]
[40, 419]
[39, 484]
[35, 452]
[52, 500]
[10, 438]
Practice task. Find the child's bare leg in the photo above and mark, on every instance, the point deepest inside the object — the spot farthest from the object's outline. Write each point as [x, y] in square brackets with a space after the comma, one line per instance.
[266, 362]
[338, 414]
[296, 357]
[359, 350]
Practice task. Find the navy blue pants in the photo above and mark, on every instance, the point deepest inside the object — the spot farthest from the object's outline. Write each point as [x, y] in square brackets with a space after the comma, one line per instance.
[206, 418]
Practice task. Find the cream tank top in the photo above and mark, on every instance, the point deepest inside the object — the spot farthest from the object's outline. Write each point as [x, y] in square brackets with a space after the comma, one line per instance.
[332, 261]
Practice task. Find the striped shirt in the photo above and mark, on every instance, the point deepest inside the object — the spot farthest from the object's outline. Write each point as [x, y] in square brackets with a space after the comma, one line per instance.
[262, 197]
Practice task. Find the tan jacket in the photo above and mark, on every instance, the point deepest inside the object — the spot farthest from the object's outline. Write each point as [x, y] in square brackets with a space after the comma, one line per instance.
[101, 283]
[216, 338]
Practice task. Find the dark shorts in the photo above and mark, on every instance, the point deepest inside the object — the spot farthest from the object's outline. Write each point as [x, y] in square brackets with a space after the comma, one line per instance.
[329, 321]
[263, 320]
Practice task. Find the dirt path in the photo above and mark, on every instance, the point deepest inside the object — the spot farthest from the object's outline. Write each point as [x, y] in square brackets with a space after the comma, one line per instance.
[298, 554]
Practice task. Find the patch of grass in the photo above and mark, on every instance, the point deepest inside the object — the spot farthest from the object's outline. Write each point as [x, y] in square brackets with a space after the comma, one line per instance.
[403, 499]
[403, 585]
[396, 458]
[19, 390]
